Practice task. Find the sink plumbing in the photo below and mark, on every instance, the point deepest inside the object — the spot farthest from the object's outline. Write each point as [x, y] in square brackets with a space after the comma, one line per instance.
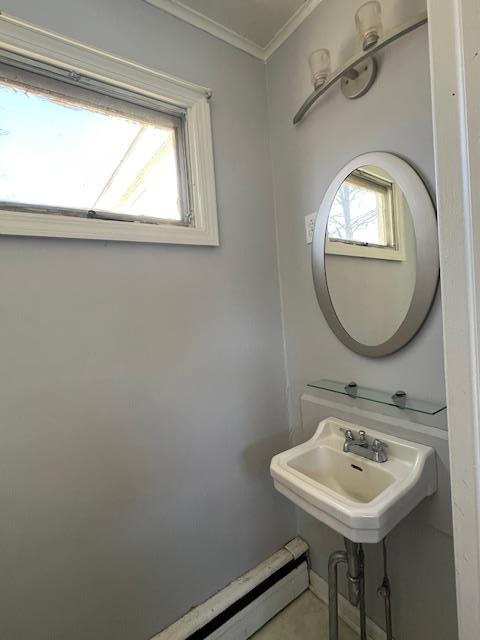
[343, 477]
[353, 557]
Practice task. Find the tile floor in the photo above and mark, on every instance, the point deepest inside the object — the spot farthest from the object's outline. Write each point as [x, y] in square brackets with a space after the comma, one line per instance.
[305, 619]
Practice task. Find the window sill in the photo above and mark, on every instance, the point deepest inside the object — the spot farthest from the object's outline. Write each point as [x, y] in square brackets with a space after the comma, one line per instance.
[14, 223]
[358, 251]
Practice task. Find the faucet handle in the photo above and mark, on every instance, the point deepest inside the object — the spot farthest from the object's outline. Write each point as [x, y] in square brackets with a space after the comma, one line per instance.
[348, 439]
[378, 445]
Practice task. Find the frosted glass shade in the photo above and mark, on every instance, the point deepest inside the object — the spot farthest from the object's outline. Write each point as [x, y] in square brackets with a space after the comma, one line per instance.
[369, 23]
[319, 66]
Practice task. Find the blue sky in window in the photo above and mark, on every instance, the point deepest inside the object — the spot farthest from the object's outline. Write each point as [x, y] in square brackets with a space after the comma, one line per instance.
[55, 154]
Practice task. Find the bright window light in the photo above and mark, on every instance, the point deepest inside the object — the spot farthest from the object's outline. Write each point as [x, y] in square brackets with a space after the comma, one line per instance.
[94, 146]
[362, 212]
[76, 150]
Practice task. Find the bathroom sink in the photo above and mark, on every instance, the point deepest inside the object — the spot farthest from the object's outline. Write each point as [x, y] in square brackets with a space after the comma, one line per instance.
[359, 498]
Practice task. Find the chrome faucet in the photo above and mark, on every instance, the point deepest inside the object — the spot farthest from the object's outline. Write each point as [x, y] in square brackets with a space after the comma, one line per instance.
[374, 451]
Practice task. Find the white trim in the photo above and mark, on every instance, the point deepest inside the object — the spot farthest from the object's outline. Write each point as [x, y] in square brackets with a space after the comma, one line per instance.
[454, 32]
[289, 27]
[255, 615]
[214, 28]
[196, 19]
[199, 616]
[366, 252]
[346, 612]
[22, 38]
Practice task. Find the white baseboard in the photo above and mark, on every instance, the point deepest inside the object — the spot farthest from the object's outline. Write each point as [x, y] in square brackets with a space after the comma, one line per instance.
[265, 607]
[347, 612]
[204, 613]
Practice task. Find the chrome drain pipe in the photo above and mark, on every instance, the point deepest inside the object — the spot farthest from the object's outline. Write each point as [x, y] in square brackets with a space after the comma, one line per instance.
[384, 592]
[363, 610]
[353, 573]
[354, 559]
[336, 558]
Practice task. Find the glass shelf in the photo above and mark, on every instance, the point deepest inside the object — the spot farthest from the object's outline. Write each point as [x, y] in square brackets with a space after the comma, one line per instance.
[399, 399]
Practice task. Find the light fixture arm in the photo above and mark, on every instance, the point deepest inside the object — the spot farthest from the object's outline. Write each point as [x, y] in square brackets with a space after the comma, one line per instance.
[348, 69]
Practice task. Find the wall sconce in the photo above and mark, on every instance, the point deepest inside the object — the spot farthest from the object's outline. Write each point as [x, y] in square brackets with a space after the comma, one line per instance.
[319, 66]
[369, 23]
[358, 74]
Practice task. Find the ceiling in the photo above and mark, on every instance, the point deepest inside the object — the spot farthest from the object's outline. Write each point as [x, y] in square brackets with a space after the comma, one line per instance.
[257, 20]
[256, 26]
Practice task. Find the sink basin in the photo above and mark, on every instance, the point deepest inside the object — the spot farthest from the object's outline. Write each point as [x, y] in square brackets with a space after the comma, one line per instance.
[361, 499]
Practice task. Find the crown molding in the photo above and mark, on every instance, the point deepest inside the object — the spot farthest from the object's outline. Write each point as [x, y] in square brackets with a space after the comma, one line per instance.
[187, 14]
[289, 27]
[216, 29]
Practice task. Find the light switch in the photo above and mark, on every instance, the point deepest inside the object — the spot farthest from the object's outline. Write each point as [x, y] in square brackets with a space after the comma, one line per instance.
[309, 227]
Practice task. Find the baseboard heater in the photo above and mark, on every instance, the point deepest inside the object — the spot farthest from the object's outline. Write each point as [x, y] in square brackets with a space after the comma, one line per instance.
[245, 605]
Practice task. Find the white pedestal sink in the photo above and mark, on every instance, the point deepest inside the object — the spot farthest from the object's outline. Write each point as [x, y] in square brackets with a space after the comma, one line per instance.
[360, 499]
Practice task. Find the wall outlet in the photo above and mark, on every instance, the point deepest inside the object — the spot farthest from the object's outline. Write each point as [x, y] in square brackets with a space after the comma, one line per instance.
[309, 227]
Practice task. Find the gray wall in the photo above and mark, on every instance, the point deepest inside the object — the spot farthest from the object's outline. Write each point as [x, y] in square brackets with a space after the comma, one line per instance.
[142, 390]
[394, 116]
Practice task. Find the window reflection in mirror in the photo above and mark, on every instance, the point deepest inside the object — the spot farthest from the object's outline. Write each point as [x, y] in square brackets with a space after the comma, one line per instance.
[370, 263]
[365, 217]
[362, 211]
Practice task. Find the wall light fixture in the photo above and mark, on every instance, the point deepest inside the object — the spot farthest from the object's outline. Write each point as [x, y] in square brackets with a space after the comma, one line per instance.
[319, 66]
[358, 74]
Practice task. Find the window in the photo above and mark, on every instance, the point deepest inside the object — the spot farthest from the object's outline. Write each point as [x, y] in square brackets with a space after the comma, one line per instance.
[364, 219]
[80, 151]
[84, 156]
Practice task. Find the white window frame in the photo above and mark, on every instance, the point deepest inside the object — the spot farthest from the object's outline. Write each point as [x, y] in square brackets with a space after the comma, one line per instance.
[43, 47]
[375, 252]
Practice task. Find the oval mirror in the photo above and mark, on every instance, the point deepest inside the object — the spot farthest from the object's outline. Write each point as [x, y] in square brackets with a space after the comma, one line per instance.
[375, 254]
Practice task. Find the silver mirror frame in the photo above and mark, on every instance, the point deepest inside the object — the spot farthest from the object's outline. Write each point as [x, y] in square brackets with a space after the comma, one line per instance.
[428, 268]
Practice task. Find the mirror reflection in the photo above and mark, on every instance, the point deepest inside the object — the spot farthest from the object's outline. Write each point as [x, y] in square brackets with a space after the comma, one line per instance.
[370, 255]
